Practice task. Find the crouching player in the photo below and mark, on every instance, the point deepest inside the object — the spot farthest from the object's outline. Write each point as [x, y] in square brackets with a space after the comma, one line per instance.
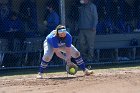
[59, 41]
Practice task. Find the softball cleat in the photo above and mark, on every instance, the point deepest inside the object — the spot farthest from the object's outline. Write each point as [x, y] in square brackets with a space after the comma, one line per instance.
[88, 72]
[40, 75]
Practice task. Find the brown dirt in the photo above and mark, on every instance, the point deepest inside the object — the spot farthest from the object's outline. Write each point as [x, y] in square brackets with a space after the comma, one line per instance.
[108, 81]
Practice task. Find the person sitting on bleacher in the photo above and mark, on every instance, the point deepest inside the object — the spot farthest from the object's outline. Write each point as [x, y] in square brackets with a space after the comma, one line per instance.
[100, 28]
[52, 19]
[13, 29]
[122, 27]
[28, 15]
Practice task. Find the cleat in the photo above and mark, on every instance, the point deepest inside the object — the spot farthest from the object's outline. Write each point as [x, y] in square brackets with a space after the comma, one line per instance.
[88, 72]
[40, 75]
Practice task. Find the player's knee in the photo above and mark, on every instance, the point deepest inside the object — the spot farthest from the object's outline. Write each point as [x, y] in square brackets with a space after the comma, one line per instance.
[46, 58]
[77, 54]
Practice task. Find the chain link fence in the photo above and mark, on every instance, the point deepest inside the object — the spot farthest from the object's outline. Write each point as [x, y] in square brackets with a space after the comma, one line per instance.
[24, 26]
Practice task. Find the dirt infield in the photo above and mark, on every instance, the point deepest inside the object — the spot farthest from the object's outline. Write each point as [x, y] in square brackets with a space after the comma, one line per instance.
[104, 81]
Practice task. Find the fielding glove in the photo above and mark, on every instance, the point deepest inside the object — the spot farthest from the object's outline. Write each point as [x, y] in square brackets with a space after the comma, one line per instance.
[71, 68]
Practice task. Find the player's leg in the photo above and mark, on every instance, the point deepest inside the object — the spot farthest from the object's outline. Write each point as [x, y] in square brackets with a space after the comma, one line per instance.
[79, 60]
[48, 53]
[90, 35]
[82, 42]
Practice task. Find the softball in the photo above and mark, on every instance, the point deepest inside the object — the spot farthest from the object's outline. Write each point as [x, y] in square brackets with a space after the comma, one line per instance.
[72, 70]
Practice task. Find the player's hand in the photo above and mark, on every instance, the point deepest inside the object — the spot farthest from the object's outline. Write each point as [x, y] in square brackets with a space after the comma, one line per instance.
[68, 60]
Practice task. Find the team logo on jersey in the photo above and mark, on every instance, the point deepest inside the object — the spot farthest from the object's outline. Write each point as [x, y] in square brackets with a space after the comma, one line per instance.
[61, 43]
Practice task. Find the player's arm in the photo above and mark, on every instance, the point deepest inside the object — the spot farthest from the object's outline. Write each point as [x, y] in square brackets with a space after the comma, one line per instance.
[58, 53]
[56, 49]
[94, 15]
[68, 47]
[68, 54]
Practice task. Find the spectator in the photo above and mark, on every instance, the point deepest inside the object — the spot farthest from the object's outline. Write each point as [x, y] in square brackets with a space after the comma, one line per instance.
[52, 19]
[4, 10]
[88, 19]
[120, 26]
[13, 29]
[28, 15]
[137, 14]
[100, 28]
[100, 4]
[105, 27]
[121, 8]
[129, 11]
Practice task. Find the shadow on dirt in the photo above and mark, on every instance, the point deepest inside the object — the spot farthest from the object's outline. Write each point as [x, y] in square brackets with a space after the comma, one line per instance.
[65, 78]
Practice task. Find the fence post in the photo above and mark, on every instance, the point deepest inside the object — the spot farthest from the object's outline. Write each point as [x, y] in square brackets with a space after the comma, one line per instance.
[62, 11]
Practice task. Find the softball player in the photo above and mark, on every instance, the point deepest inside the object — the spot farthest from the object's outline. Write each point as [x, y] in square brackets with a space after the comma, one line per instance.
[59, 41]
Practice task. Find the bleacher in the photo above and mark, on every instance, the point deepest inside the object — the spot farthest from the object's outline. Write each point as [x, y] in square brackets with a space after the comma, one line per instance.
[118, 46]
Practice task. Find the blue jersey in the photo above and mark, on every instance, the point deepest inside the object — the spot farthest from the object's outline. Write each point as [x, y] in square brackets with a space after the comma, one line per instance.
[56, 42]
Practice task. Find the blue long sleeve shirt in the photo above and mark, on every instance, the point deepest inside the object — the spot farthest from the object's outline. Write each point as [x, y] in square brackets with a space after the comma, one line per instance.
[88, 17]
[14, 24]
[52, 20]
